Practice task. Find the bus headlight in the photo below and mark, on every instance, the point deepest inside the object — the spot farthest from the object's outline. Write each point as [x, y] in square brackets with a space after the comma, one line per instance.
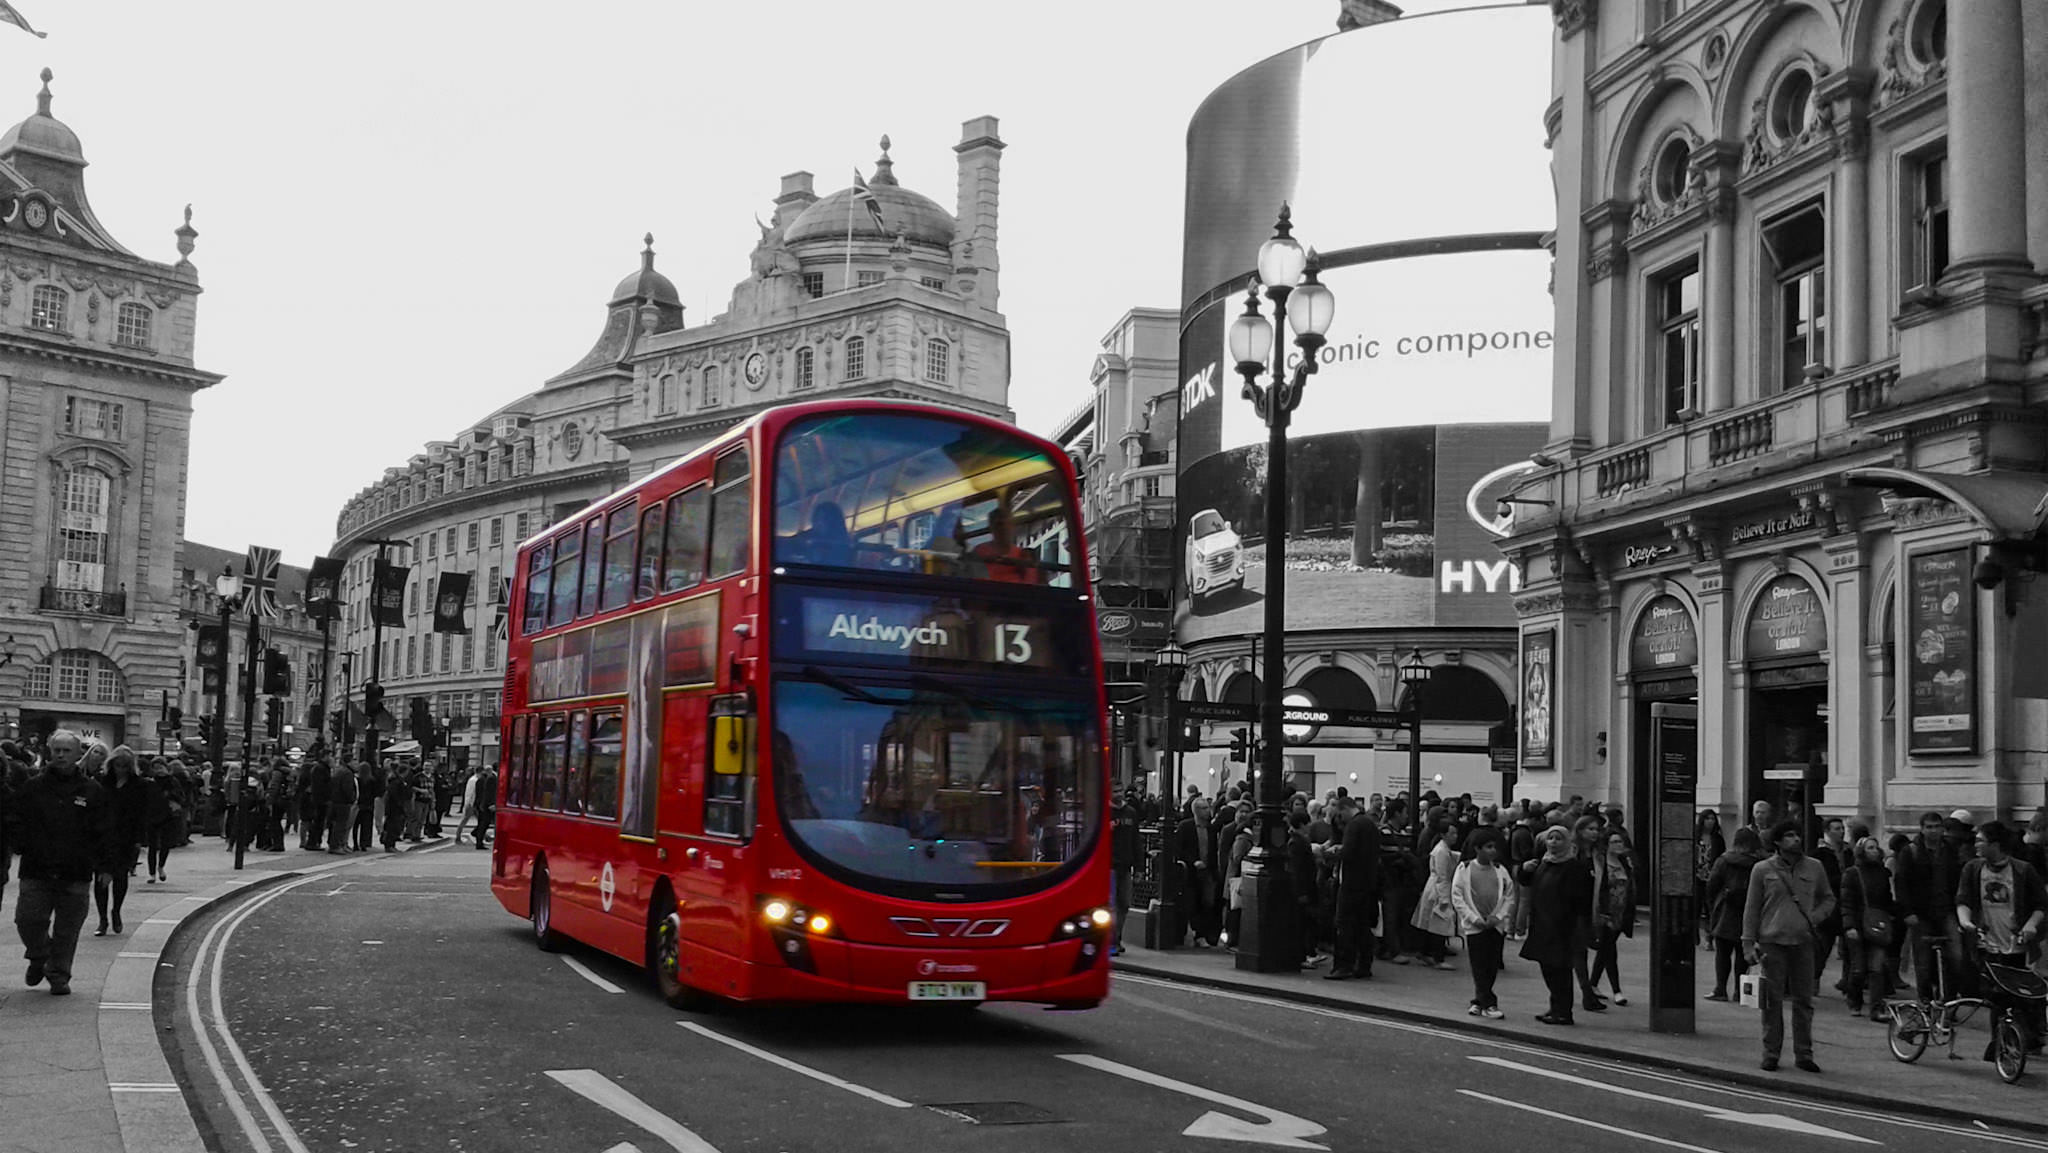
[1097, 920]
[776, 911]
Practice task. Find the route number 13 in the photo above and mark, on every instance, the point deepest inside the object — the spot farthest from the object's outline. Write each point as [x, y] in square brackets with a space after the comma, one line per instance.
[1013, 644]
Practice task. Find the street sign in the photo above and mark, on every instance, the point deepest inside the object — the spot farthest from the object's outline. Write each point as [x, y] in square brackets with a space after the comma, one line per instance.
[166, 729]
[1503, 759]
[1294, 715]
[1218, 711]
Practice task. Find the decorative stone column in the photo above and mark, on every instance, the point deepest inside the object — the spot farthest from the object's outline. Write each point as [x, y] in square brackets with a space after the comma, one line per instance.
[1987, 136]
[1715, 166]
[1847, 93]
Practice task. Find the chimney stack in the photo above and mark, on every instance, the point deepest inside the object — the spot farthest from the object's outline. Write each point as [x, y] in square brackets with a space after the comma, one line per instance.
[796, 196]
[975, 263]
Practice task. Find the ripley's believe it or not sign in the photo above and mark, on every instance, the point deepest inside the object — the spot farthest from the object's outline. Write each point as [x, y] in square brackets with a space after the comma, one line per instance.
[1788, 620]
[1665, 640]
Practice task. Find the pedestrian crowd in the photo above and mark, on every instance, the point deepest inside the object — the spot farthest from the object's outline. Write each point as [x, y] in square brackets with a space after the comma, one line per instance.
[77, 819]
[1372, 885]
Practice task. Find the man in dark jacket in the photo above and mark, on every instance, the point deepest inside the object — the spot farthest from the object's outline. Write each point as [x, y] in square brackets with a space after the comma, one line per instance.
[1125, 848]
[1929, 871]
[1358, 868]
[60, 823]
[485, 803]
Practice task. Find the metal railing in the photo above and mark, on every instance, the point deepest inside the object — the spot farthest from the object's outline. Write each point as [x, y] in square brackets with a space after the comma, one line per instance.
[91, 602]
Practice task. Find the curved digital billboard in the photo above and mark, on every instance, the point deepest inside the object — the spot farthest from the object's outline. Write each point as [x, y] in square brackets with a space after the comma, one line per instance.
[1429, 198]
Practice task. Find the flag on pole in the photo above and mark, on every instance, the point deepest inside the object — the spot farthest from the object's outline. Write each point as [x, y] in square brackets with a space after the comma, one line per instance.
[449, 597]
[259, 576]
[8, 15]
[866, 196]
[502, 626]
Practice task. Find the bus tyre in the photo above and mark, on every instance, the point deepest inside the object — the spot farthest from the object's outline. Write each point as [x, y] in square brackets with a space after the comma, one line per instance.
[665, 960]
[542, 905]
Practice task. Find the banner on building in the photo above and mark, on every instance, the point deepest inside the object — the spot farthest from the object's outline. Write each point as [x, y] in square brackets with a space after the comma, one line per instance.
[1941, 624]
[1539, 679]
[449, 597]
[387, 595]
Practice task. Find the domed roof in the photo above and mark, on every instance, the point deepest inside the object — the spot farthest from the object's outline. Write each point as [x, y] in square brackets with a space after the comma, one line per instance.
[43, 133]
[647, 284]
[917, 217]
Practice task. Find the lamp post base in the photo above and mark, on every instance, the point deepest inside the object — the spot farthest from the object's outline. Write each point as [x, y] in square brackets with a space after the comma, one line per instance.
[1269, 922]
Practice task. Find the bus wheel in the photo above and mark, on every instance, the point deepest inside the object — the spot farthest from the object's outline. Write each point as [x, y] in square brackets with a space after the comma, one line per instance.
[542, 905]
[665, 960]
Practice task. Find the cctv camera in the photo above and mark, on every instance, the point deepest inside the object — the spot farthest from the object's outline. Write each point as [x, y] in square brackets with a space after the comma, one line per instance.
[1505, 508]
[1541, 460]
[1989, 574]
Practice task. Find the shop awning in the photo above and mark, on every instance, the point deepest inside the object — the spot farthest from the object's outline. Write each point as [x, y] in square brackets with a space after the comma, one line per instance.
[406, 748]
[2012, 505]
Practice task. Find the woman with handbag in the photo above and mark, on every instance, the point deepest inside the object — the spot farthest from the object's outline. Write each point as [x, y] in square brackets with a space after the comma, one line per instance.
[1870, 919]
[1436, 918]
[1727, 892]
[1708, 845]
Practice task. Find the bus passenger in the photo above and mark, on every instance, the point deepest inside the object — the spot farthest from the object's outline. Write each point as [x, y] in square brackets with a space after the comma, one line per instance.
[1006, 560]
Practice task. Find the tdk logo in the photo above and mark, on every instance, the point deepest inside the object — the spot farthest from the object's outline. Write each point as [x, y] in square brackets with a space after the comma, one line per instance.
[1200, 387]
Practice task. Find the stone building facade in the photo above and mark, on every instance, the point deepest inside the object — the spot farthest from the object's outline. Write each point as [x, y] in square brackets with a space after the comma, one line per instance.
[1799, 442]
[897, 300]
[96, 386]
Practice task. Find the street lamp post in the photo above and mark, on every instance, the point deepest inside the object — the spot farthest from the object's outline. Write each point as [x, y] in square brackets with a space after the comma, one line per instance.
[1415, 678]
[1270, 936]
[1163, 921]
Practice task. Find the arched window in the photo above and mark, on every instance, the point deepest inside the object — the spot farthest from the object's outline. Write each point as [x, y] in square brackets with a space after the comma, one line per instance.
[132, 325]
[1243, 689]
[937, 356]
[666, 391]
[805, 364]
[77, 675]
[1456, 693]
[712, 393]
[49, 308]
[856, 358]
[82, 536]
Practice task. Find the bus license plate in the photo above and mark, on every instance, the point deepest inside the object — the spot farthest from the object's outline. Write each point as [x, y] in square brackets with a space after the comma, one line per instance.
[948, 991]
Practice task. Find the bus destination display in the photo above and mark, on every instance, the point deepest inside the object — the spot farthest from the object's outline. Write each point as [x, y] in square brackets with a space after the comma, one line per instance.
[889, 629]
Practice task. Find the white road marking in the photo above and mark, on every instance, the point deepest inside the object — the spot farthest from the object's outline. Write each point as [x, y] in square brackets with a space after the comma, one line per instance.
[624, 1147]
[596, 1087]
[1761, 1120]
[1282, 1129]
[583, 971]
[143, 1006]
[1588, 1124]
[1211, 1022]
[792, 1066]
[373, 942]
[1674, 1079]
[142, 1087]
[142, 954]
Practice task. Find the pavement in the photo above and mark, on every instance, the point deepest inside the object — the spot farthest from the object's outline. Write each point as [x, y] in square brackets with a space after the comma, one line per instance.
[87, 1073]
[1857, 1068]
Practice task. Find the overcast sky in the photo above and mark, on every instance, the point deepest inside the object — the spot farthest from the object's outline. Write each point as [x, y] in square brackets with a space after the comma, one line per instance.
[412, 211]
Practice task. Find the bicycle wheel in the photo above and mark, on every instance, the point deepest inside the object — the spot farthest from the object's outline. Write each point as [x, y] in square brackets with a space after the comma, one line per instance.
[2012, 1049]
[1906, 1032]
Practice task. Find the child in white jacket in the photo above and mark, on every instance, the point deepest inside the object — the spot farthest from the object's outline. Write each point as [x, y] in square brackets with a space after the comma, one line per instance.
[1483, 894]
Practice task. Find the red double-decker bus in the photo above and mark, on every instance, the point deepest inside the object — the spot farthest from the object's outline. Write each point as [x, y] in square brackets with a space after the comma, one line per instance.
[815, 713]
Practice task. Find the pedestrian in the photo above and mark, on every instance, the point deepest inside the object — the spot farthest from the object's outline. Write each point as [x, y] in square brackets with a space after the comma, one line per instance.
[1125, 847]
[1238, 836]
[397, 803]
[486, 798]
[1400, 885]
[1522, 849]
[1483, 894]
[1929, 871]
[1560, 889]
[1707, 846]
[2000, 903]
[1195, 846]
[1355, 865]
[1834, 854]
[315, 785]
[1302, 877]
[1788, 899]
[1870, 923]
[1435, 917]
[343, 786]
[1614, 909]
[60, 823]
[163, 819]
[1589, 843]
[128, 806]
[469, 807]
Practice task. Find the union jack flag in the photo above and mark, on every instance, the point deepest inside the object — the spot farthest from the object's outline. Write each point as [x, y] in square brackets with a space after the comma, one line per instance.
[866, 196]
[501, 627]
[259, 581]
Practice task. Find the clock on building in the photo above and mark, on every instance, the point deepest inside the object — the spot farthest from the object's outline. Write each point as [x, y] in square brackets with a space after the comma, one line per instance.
[757, 370]
[35, 214]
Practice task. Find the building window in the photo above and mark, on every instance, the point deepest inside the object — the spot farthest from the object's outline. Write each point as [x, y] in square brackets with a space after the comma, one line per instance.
[468, 651]
[447, 651]
[475, 534]
[712, 393]
[1929, 33]
[497, 580]
[49, 308]
[856, 358]
[522, 526]
[1151, 486]
[491, 653]
[412, 655]
[1792, 105]
[131, 325]
[106, 681]
[433, 544]
[814, 284]
[935, 283]
[39, 681]
[427, 657]
[805, 362]
[1927, 250]
[412, 599]
[936, 355]
[451, 540]
[1677, 296]
[667, 391]
[1673, 171]
[74, 675]
[1796, 249]
[82, 530]
[92, 419]
[867, 279]
[497, 532]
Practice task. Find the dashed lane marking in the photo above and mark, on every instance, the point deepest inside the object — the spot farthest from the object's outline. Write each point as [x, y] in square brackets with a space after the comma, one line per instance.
[1666, 1141]
[794, 1067]
[142, 1086]
[583, 970]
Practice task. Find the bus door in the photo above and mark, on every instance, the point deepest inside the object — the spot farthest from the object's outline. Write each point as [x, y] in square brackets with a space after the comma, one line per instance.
[719, 879]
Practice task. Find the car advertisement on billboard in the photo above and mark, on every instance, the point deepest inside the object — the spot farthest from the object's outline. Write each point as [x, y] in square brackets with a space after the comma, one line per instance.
[1428, 206]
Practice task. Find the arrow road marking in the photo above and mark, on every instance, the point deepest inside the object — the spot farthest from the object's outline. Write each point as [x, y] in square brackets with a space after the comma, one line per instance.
[1282, 1129]
[596, 1087]
[1589, 1124]
[1776, 1121]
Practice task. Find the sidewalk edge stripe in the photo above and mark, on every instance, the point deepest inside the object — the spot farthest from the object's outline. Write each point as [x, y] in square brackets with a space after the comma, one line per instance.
[1823, 1091]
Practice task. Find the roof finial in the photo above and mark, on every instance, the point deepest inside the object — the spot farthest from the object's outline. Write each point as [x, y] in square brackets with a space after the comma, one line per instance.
[647, 254]
[186, 234]
[43, 97]
[884, 167]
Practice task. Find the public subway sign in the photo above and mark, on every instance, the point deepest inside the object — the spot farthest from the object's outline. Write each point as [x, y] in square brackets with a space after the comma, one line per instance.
[1941, 626]
[1665, 638]
[1788, 619]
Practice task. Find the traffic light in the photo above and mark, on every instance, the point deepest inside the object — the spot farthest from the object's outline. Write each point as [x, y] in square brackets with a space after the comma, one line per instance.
[423, 729]
[273, 718]
[1190, 737]
[316, 717]
[373, 700]
[206, 730]
[277, 674]
[177, 719]
[335, 723]
[1240, 744]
